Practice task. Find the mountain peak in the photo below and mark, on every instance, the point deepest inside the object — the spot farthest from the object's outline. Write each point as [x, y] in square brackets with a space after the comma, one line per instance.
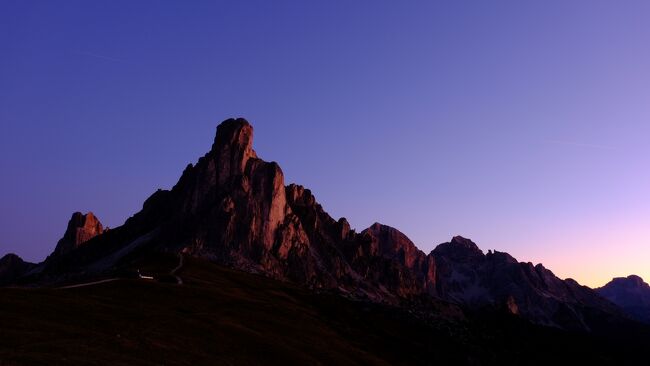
[9, 260]
[631, 281]
[389, 236]
[459, 248]
[12, 267]
[9, 257]
[630, 293]
[234, 131]
[377, 226]
[233, 147]
[81, 228]
[464, 242]
[636, 280]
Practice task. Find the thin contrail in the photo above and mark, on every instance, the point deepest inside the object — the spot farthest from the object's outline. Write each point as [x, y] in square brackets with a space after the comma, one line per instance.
[579, 144]
[108, 58]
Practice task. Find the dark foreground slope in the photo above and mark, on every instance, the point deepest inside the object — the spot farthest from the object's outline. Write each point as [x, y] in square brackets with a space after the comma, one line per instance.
[223, 316]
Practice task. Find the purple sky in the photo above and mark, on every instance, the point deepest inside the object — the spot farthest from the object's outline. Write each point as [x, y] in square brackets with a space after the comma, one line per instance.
[522, 125]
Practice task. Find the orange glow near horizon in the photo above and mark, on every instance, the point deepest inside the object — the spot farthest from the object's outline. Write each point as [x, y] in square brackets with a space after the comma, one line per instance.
[593, 256]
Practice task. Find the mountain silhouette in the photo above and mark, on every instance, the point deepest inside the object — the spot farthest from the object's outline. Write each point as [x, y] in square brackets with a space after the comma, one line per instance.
[631, 293]
[234, 209]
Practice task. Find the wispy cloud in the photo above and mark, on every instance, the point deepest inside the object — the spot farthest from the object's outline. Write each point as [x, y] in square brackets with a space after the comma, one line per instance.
[579, 144]
[96, 55]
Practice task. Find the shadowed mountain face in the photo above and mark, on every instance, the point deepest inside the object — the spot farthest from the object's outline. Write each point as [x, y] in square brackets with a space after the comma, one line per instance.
[233, 208]
[13, 267]
[467, 276]
[631, 294]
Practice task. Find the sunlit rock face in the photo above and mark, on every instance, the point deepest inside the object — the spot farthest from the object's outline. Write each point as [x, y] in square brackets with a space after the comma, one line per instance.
[81, 228]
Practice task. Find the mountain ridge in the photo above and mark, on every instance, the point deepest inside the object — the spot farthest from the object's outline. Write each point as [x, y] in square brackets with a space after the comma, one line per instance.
[234, 209]
[631, 293]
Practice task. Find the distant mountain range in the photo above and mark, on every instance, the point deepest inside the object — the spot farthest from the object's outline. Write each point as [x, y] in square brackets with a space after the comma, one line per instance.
[234, 209]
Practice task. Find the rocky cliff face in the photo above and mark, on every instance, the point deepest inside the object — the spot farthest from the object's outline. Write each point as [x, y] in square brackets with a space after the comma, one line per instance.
[13, 267]
[631, 293]
[233, 208]
[81, 228]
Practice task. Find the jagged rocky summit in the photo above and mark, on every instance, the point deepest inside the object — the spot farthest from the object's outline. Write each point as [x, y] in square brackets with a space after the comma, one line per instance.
[234, 208]
[81, 228]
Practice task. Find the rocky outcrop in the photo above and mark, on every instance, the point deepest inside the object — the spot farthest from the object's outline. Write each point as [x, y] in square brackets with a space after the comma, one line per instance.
[81, 228]
[631, 293]
[13, 267]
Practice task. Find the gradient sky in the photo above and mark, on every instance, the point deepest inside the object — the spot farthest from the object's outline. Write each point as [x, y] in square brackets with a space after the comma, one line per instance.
[523, 125]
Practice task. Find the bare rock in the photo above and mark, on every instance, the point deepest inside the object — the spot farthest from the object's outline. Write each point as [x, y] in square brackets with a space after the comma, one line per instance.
[81, 228]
